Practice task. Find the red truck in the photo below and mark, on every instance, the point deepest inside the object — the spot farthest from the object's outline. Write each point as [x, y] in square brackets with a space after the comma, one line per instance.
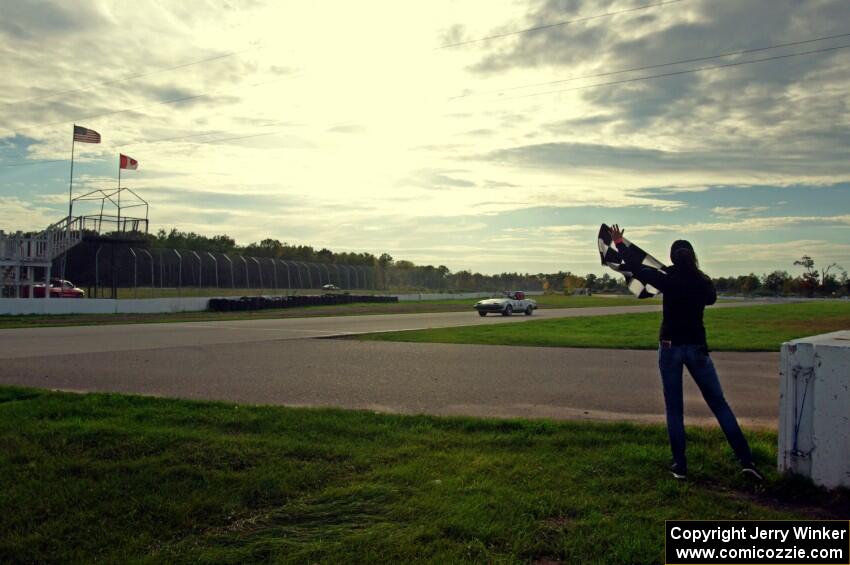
[59, 288]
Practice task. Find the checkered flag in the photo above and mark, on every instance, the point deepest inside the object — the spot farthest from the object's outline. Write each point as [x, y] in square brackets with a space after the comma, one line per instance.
[609, 256]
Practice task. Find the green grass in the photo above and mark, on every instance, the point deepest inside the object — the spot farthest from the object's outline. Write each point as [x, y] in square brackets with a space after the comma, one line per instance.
[600, 300]
[752, 328]
[126, 479]
[425, 306]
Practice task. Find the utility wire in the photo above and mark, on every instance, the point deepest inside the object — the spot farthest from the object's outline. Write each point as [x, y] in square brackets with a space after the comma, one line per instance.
[145, 141]
[218, 140]
[275, 132]
[171, 101]
[34, 162]
[611, 83]
[688, 71]
[131, 77]
[124, 146]
[558, 24]
[659, 65]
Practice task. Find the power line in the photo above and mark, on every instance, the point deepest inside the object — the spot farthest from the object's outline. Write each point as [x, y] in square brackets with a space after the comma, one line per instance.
[28, 163]
[140, 141]
[275, 132]
[659, 65]
[675, 73]
[45, 162]
[171, 101]
[131, 77]
[558, 24]
[124, 146]
[175, 138]
[212, 141]
[611, 83]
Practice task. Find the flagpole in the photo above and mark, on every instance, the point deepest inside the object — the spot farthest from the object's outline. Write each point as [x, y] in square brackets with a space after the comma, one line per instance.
[71, 182]
[70, 207]
[119, 193]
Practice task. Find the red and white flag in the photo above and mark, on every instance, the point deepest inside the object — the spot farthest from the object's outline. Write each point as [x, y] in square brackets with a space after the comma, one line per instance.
[128, 162]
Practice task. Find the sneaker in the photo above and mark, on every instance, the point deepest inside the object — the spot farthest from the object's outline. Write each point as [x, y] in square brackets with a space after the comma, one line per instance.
[749, 470]
[679, 473]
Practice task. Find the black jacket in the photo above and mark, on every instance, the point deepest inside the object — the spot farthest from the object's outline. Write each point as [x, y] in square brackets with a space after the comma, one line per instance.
[685, 296]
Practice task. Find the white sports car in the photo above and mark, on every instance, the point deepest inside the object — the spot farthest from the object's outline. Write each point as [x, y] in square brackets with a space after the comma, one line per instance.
[507, 304]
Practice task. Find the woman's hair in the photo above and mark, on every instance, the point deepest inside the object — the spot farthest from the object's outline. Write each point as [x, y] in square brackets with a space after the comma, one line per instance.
[683, 256]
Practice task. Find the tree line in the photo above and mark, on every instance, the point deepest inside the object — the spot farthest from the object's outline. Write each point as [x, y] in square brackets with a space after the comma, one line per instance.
[402, 274]
[831, 280]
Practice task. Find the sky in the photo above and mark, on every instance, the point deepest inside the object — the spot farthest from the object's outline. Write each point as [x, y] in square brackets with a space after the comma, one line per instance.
[487, 135]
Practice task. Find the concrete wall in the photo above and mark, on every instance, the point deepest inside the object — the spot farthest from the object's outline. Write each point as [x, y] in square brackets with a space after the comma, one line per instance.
[814, 408]
[24, 306]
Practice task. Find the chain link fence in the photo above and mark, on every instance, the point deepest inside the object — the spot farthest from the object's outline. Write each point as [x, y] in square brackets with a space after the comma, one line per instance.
[118, 269]
[110, 270]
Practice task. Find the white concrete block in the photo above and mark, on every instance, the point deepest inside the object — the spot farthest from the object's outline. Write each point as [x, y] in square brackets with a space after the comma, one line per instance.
[814, 415]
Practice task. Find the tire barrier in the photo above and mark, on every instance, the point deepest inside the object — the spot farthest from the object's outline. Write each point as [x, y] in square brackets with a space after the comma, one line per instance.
[270, 302]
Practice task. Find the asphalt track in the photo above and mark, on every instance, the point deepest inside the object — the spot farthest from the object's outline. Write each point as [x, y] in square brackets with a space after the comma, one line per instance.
[279, 361]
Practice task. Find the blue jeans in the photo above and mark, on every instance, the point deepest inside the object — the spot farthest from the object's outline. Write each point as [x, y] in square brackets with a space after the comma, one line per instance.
[695, 357]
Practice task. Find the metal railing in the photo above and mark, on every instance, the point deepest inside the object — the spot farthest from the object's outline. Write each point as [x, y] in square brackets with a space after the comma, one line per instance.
[26, 247]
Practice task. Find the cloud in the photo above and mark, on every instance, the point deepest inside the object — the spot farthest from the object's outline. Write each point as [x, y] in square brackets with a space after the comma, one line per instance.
[568, 155]
[435, 179]
[735, 211]
[572, 125]
[746, 225]
[348, 128]
[571, 155]
[786, 252]
[357, 147]
[453, 34]
[27, 21]
[767, 113]
[24, 215]
[481, 132]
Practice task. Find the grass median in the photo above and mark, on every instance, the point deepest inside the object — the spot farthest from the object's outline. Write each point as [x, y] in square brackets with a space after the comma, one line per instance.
[116, 478]
[406, 307]
[752, 328]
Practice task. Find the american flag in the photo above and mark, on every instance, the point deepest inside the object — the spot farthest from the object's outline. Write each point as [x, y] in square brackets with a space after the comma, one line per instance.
[86, 135]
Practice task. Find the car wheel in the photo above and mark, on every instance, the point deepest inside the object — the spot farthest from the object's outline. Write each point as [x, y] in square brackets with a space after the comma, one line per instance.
[529, 311]
[482, 313]
[508, 310]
